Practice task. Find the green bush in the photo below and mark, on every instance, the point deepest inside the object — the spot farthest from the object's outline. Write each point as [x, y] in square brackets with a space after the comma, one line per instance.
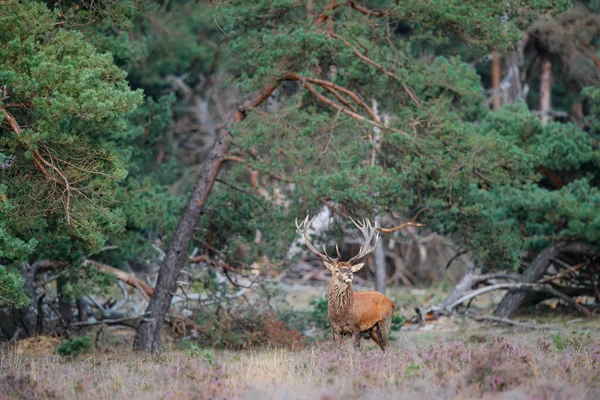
[397, 321]
[318, 313]
[198, 352]
[76, 346]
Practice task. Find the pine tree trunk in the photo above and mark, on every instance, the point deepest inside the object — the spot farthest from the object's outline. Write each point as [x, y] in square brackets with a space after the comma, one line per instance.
[148, 334]
[147, 338]
[545, 90]
[380, 267]
[514, 298]
[25, 318]
[64, 305]
[577, 112]
[82, 310]
[496, 80]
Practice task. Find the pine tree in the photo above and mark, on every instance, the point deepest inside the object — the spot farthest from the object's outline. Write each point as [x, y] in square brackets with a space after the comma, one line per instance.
[63, 115]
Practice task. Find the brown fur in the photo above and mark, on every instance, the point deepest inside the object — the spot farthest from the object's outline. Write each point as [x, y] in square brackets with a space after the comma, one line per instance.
[351, 313]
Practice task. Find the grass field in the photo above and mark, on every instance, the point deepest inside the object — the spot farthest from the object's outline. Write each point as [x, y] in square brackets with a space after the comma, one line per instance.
[492, 364]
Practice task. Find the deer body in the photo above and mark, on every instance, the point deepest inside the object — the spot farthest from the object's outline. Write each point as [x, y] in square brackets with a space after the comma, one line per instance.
[349, 312]
[352, 313]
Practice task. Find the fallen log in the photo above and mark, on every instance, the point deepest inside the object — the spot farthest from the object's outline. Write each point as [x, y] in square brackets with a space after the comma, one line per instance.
[535, 271]
[534, 287]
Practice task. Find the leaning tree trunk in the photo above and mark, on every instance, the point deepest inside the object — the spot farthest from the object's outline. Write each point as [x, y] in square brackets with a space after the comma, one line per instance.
[148, 333]
[513, 299]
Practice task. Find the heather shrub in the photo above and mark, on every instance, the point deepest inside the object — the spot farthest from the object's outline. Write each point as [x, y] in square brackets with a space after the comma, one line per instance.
[446, 358]
[24, 387]
[498, 366]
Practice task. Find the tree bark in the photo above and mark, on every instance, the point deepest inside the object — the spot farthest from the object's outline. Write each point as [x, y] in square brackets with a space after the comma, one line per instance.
[496, 80]
[25, 318]
[82, 310]
[64, 305]
[147, 338]
[514, 298]
[545, 90]
[380, 267]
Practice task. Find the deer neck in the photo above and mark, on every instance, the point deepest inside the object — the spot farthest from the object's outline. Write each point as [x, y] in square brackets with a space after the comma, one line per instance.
[339, 297]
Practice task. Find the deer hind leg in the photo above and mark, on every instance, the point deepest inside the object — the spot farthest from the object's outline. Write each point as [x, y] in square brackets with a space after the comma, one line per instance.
[377, 336]
[384, 330]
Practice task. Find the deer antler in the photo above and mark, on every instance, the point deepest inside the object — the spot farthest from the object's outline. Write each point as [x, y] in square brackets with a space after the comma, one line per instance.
[368, 231]
[302, 230]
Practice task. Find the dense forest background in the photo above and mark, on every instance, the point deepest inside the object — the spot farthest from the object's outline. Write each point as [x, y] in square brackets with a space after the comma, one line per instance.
[143, 138]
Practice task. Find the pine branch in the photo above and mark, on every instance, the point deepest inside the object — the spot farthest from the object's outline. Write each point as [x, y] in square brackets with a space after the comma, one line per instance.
[366, 59]
[310, 87]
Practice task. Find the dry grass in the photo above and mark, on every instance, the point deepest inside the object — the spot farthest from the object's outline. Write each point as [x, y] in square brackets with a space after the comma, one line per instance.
[493, 366]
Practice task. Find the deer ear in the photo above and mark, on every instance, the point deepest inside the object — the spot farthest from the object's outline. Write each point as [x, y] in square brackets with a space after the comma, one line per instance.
[357, 267]
[329, 266]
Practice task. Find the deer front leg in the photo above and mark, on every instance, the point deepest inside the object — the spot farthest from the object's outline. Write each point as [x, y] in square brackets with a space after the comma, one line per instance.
[356, 340]
[337, 337]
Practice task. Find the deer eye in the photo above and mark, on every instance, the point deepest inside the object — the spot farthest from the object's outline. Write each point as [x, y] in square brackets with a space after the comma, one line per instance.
[337, 270]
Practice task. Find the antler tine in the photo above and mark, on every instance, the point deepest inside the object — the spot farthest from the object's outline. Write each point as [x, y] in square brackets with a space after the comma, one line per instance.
[368, 231]
[302, 230]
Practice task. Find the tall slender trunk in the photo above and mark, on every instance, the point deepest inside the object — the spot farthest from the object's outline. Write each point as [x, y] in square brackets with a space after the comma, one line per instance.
[147, 337]
[380, 267]
[64, 304]
[82, 310]
[577, 112]
[496, 80]
[25, 318]
[545, 90]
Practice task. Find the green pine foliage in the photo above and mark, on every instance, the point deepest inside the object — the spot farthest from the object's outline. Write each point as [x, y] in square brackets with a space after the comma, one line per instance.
[458, 165]
[68, 106]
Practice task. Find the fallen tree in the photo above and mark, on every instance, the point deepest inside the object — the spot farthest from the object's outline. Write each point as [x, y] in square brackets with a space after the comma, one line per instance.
[549, 275]
[30, 320]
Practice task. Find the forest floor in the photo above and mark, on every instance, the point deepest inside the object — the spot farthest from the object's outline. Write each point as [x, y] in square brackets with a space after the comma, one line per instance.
[445, 359]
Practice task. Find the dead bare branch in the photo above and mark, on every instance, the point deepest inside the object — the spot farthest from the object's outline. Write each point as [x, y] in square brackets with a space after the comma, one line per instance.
[399, 227]
[534, 287]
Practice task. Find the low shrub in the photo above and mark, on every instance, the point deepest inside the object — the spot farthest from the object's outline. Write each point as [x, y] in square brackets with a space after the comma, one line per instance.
[76, 346]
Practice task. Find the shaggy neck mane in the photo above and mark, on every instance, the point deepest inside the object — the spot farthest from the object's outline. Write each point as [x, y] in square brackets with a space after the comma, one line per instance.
[340, 296]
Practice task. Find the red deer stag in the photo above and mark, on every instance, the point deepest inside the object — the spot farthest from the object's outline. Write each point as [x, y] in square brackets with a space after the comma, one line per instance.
[349, 312]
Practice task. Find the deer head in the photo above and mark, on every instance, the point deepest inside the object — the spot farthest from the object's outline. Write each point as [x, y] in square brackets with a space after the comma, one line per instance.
[342, 271]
